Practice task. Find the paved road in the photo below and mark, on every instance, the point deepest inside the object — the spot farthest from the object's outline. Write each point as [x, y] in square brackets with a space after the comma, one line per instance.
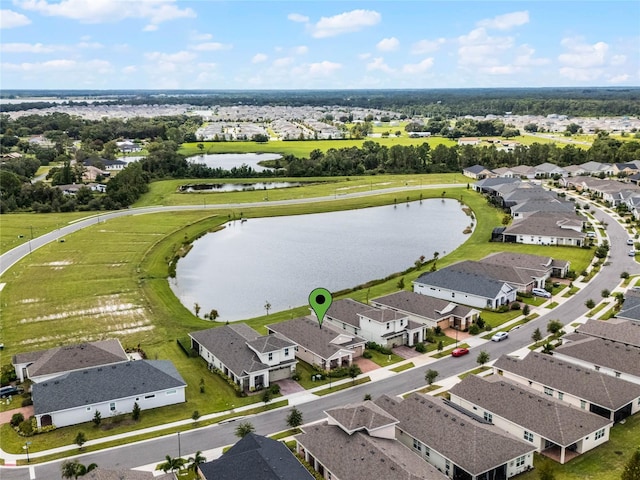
[153, 451]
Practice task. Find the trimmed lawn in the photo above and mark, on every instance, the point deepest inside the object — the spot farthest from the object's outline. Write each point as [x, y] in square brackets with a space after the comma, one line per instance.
[473, 372]
[305, 370]
[402, 368]
[382, 359]
[343, 386]
[496, 319]
[427, 389]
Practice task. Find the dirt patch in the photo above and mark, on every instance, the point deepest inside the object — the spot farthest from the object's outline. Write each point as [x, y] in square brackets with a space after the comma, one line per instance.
[107, 425]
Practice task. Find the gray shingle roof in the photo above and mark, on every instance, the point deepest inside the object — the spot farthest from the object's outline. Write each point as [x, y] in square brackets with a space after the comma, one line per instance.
[306, 332]
[630, 309]
[537, 263]
[422, 305]
[605, 353]
[361, 457]
[361, 416]
[72, 357]
[270, 343]
[382, 315]
[475, 169]
[229, 344]
[103, 384]
[617, 330]
[346, 310]
[547, 224]
[502, 273]
[466, 282]
[104, 474]
[538, 413]
[598, 388]
[256, 457]
[473, 446]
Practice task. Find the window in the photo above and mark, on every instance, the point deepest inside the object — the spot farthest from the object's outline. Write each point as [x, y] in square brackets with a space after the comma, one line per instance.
[488, 417]
[171, 392]
[112, 406]
[617, 374]
[520, 461]
[388, 325]
[599, 434]
[548, 391]
[417, 445]
[560, 395]
[447, 466]
[270, 356]
[401, 321]
[286, 352]
[583, 404]
[147, 397]
[528, 436]
[427, 452]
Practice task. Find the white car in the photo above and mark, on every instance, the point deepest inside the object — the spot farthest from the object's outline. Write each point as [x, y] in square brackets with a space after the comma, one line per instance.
[499, 336]
[630, 241]
[540, 292]
[632, 253]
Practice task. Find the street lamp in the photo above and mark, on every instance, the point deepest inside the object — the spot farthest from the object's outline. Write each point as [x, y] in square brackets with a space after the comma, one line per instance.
[26, 447]
[179, 455]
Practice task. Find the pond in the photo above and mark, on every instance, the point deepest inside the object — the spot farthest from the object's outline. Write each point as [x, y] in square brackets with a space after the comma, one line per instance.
[236, 187]
[227, 161]
[280, 260]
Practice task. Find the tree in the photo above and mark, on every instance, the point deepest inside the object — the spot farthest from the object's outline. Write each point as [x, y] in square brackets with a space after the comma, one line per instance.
[196, 308]
[244, 429]
[294, 419]
[483, 357]
[80, 440]
[196, 460]
[97, 418]
[266, 396]
[440, 345]
[171, 464]
[590, 303]
[213, 314]
[554, 326]
[525, 310]
[605, 293]
[354, 371]
[367, 396]
[400, 283]
[74, 469]
[200, 147]
[267, 306]
[430, 376]
[536, 336]
[195, 415]
[135, 413]
[632, 468]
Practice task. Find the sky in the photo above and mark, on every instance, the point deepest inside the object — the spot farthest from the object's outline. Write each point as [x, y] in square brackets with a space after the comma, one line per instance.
[317, 44]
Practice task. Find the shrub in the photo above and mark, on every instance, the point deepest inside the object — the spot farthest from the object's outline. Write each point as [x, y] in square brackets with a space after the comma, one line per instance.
[526, 309]
[378, 348]
[367, 354]
[296, 375]
[480, 322]
[474, 329]
[26, 427]
[515, 306]
[421, 348]
[274, 388]
[16, 419]
[437, 330]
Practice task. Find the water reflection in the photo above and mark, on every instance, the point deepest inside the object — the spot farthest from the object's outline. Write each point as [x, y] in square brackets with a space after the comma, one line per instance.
[236, 187]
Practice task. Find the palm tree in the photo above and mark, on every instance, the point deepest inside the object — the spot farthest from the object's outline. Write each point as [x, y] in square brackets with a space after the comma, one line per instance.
[74, 469]
[244, 429]
[82, 470]
[196, 460]
[172, 464]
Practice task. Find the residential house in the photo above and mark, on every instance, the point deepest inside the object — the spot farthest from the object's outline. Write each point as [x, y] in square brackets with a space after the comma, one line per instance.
[496, 186]
[605, 356]
[382, 326]
[324, 346]
[459, 444]
[521, 279]
[100, 473]
[524, 172]
[574, 170]
[357, 442]
[547, 228]
[539, 267]
[42, 365]
[553, 427]
[251, 360]
[597, 169]
[76, 396]
[430, 311]
[255, 457]
[630, 309]
[549, 170]
[90, 173]
[505, 172]
[10, 156]
[468, 288]
[477, 172]
[624, 169]
[604, 395]
[41, 141]
[469, 141]
[105, 164]
[128, 146]
[614, 329]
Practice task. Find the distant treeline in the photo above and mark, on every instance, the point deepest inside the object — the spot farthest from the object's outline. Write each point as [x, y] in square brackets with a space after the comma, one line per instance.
[17, 193]
[591, 102]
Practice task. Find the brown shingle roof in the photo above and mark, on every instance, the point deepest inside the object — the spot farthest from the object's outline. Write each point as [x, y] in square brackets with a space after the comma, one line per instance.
[622, 331]
[605, 353]
[473, 446]
[364, 415]
[541, 414]
[604, 390]
[422, 305]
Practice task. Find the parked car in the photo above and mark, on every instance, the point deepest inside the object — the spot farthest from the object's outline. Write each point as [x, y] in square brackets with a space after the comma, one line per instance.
[458, 352]
[632, 253]
[9, 391]
[591, 234]
[499, 336]
[540, 292]
[630, 241]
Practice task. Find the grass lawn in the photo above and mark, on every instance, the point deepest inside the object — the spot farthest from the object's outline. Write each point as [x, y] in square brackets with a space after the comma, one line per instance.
[475, 371]
[605, 462]
[427, 389]
[598, 308]
[402, 368]
[382, 359]
[343, 386]
[496, 319]
[305, 370]
[551, 305]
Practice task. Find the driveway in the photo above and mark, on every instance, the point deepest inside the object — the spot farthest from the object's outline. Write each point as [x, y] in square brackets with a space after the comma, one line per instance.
[405, 352]
[288, 386]
[366, 365]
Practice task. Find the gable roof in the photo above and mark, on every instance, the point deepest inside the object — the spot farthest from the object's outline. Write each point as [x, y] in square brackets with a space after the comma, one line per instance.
[549, 224]
[104, 474]
[476, 169]
[536, 263]
[467, 282]
[103, 384]
[617, 330]
[229, 344]
[306, 332]
[423, 305]
[256, 457]
[595, 387]
[270, 343]
[605, 353]
[71, 357]
[361, 416]
[445, 430]
[499, 272]
[630, 309]
[347, 310]
[361, 457]
[550, 418]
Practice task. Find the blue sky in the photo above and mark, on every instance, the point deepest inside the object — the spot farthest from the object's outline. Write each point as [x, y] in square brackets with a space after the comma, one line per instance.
[204, 44]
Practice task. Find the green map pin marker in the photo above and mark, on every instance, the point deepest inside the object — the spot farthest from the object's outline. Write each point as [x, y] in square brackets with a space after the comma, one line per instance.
[320, 300]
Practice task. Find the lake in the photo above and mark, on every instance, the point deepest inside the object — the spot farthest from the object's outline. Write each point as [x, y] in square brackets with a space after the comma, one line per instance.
[227, 161]
[236, 187]
[280, 260]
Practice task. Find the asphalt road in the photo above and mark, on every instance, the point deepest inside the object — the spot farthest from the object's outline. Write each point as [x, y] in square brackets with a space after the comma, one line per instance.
[206, 438]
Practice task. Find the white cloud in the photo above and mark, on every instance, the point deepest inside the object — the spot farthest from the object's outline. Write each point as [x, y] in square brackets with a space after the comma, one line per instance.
[61, 65]
[582, 55]
[364, 56]
[129, 69]
[282, 62]
[479, 49]
[427, 46]
[421, 67]
[211, 47]
[200, 37]
[91, 45]
[617, 60]
[259, 58]
[506, 21]
[324, 68]
[150, 28]
[296, 17]
[378, 64]
[581, 74]
[165, 58]
[26, 48]
[11, 19]
[346, 22]
[105, 11]
[388, 44]
[300, 50]
[620, 78]
[525, 58]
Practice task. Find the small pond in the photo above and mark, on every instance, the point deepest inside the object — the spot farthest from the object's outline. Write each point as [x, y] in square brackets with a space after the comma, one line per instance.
[236, 187]
[227, 161]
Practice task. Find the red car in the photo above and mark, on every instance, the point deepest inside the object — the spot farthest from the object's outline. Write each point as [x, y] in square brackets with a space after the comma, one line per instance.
[458, 352]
